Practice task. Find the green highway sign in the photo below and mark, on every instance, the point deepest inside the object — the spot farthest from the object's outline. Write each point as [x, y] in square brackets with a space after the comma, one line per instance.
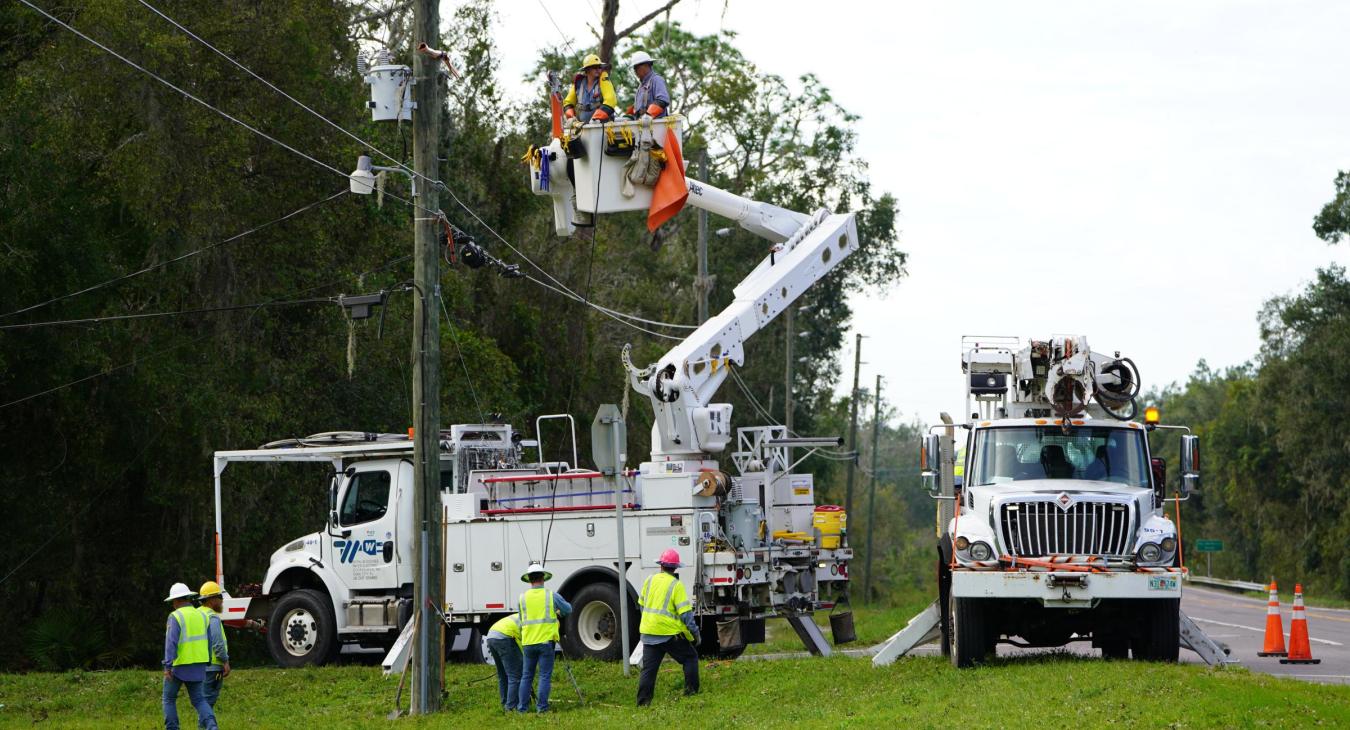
[1209, 546]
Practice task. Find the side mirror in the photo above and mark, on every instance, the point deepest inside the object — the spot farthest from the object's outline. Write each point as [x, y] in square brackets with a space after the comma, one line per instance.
[1190, 463]
[930, 449]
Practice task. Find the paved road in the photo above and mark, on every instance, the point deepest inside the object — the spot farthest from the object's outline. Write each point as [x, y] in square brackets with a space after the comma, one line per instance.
[1237, 621]
[1240, 622]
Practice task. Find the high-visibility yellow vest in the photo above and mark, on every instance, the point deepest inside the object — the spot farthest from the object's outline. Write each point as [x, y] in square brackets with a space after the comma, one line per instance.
[538, 618]
[208, 613]
[663, 600]
[509, 626]
[193, 647]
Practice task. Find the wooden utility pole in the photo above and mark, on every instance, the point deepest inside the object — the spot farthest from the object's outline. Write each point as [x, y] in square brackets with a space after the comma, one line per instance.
[428, 597]
[853, 424]
[872, 491]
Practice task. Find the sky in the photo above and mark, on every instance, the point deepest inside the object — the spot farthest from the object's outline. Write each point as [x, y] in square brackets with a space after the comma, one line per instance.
[1143, 173]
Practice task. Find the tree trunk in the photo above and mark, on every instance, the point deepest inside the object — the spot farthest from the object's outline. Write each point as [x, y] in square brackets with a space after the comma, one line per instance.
[608, 15]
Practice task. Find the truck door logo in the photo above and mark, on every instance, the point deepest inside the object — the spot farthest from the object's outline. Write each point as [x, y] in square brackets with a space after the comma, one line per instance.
[349, 549]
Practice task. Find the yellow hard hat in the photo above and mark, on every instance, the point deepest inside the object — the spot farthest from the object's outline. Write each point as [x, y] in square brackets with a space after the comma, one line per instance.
[210, 589]
[590, 61]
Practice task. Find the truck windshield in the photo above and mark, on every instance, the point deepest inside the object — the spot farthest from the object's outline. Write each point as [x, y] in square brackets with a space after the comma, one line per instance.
[1045, 452]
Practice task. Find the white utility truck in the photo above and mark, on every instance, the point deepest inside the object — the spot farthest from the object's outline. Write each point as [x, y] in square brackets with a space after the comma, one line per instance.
[747, 538]
[1060, 531]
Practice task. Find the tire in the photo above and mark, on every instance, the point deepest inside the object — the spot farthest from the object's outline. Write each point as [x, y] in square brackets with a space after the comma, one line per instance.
[970, 632]
[302, 630]
[1159, 637]
[1116, 649]
[944, 581]
[592, 629]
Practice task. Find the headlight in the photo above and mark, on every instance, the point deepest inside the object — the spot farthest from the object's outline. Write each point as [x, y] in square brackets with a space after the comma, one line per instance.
[962, 543]
[980, 551]
[1169, 544]
[1150, 553]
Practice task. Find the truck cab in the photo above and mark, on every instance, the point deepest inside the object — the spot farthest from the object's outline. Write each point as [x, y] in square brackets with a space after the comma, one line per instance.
[1059, 530]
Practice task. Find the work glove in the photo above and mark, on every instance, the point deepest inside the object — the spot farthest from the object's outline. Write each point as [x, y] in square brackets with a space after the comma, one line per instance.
[645, 119]
[698, 638]
[570, 113]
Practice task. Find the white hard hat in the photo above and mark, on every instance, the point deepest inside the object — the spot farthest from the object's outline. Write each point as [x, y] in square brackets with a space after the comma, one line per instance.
[179, 591]
[535, 568]
[640, 58]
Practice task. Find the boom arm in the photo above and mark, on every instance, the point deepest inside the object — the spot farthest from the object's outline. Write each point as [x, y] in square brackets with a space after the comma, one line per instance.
[682, 384]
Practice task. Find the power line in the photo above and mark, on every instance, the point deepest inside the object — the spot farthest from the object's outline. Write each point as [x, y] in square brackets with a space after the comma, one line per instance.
[561, 34]
[176, 259]
[321, 163]
[156, 315]
[467, 377]
[200, 101]
[274, 87]
[196, 340]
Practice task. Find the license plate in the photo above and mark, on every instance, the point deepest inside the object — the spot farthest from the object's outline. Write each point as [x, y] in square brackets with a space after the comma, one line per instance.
[1162, 583]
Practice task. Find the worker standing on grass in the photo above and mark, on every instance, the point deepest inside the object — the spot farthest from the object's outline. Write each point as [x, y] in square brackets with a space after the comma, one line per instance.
[186, 656]
[592, 96]
[503, 642]
[652, 98]
[212, 601]
[539, 610]
[667, 627]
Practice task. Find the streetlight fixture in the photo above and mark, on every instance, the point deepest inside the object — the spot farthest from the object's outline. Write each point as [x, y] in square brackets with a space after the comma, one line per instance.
[362, 179]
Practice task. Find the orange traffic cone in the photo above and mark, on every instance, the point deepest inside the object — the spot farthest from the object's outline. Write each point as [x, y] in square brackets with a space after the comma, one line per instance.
[1299, 651]
[1274, 626]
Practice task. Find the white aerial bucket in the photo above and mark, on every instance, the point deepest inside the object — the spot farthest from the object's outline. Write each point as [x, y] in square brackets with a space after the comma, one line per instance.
[599, 176]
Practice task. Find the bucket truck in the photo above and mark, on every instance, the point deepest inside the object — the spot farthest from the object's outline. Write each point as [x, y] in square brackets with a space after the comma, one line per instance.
[1055, 524]
[750, 540]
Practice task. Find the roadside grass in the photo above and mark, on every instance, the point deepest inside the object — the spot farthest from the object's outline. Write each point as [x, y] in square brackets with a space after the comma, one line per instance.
[1038, 691]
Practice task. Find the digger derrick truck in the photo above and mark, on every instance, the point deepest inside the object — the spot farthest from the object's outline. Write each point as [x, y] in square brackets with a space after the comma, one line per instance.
[1056, 530]
[746, 538]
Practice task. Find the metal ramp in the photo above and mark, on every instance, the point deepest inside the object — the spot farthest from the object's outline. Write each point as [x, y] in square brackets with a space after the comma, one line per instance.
[397, 658]
[926, 627]
[1195, 639]
[809, 633]
[920, 630]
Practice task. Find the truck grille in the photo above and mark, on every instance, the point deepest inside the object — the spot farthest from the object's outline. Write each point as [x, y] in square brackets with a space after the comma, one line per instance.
[1040, 528]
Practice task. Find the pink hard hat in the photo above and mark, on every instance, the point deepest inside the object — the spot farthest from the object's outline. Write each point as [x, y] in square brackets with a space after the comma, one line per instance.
[669, 558]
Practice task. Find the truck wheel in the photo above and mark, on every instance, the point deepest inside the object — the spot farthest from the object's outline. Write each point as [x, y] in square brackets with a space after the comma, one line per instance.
[592, 629]
[944, 578]
[969, 632]
[1115, 649]
[302, 630]
[1160, 633]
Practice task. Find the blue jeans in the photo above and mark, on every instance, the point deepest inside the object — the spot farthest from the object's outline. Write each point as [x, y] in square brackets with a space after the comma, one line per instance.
[196, 695]
[506, 655]
[540, 656]
[211, 690]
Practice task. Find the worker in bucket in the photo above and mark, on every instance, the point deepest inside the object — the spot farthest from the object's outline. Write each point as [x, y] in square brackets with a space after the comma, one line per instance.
[652, 99]
[539, 610]
[592, 96]
[212, 601]
[667, 627]
[503, 642]
[186, 656]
